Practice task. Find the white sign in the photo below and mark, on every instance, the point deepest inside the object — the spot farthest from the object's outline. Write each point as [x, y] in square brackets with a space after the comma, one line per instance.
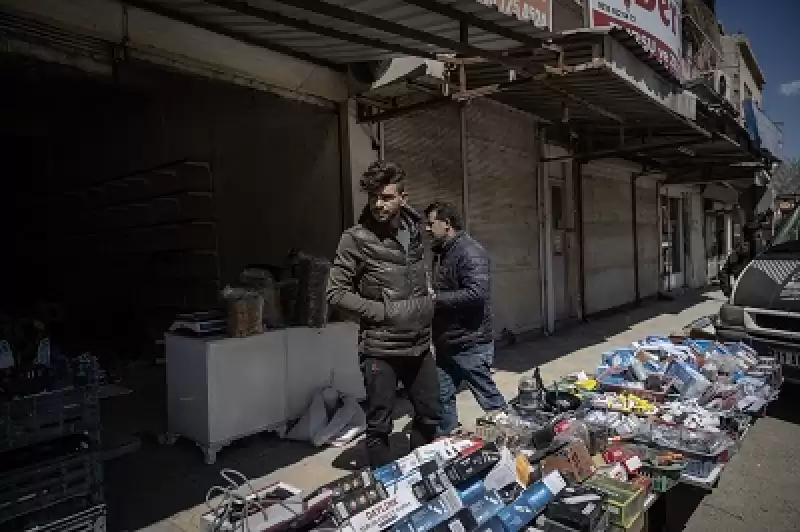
[656, 24]
[537, 12]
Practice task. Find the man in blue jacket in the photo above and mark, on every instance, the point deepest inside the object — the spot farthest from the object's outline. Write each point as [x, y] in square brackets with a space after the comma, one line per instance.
[462, 322]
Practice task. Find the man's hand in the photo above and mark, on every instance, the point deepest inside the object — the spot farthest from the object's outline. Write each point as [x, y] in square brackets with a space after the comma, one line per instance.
[413, 313]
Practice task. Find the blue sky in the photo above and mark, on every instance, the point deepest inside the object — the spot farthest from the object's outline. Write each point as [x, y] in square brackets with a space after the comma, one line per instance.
[773, 27]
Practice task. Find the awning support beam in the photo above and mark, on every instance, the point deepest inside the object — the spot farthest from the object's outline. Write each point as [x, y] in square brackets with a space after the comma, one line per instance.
[638, 148]
[472, 20]
[278, 18]
[394, 113]
[376, 23]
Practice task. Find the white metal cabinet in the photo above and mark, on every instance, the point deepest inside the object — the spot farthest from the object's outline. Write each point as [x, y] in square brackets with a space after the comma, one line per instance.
[223, 389]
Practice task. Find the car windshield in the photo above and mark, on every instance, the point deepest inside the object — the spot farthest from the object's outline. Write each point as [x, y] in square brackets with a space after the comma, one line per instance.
[788, 236]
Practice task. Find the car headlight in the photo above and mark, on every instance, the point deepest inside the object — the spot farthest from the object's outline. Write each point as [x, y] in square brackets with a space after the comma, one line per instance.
[731, 315]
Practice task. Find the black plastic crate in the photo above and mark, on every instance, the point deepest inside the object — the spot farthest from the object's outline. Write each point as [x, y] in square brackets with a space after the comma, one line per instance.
[35, 488]
[71, 407]
[48, 415]
[92, 519]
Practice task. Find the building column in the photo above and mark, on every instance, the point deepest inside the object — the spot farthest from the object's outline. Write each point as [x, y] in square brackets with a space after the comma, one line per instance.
[363, 147]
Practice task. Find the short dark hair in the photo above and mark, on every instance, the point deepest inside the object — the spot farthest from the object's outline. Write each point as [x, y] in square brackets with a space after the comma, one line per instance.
[445, 212]
[380, 174]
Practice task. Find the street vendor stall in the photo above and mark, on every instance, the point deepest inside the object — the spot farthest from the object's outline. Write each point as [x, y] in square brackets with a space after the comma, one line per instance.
[591, 452]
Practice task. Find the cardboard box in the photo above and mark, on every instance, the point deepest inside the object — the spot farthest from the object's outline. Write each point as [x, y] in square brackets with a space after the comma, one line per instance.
[432, 514]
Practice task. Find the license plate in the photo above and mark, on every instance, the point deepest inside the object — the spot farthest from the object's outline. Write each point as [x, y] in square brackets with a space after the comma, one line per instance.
[788, 358]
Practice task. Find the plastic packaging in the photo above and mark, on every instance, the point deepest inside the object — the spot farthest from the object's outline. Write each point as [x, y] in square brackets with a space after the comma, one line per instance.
[689, 382]
[531, 502]
[312, 275]
[527, 393]
[573, 429]
[262, 280]
[245, 311]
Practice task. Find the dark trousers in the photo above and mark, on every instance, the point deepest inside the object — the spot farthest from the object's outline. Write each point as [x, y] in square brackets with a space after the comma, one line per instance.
[471, 365]
[419, 378]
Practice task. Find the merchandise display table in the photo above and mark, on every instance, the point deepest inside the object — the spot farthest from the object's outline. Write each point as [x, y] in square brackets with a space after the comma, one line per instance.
[614, 452]
[223, 389]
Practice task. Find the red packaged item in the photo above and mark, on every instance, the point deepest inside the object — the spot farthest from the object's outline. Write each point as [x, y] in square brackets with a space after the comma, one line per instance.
[631, 461]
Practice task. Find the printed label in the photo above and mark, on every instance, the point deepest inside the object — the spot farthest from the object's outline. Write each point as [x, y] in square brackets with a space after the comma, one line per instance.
[554, 482]
[385, 513]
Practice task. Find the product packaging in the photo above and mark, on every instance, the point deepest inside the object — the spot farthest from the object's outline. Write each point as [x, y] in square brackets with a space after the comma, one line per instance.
[578, 507]
[466, 467]
[432, 514]
[384, 514]
[531, 502]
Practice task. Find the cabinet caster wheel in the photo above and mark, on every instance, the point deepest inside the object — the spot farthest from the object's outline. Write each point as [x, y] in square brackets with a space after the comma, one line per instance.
[210, 456]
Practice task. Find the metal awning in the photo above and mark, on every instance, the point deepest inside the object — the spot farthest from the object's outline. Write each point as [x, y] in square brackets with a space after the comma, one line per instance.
[337, 32]
[601, 86]
[598, 85]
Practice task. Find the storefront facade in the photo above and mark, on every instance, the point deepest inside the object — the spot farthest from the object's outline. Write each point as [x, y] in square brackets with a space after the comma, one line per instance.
[567, 186]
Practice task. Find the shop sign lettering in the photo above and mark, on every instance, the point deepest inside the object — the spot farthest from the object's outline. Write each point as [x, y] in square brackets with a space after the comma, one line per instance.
[537, 12]
[656, 25]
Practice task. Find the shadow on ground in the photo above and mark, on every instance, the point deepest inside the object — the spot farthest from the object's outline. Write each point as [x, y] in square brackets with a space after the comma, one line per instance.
[596, 330]
[158, 481]
[786, 407]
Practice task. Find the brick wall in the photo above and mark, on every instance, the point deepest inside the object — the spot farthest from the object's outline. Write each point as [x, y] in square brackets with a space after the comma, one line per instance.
[427, 144]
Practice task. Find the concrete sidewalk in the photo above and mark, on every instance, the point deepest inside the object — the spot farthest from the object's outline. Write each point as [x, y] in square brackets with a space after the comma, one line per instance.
[760, 490]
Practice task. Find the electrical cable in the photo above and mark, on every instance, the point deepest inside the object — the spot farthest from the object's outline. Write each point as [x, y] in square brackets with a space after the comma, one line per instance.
[225, 510]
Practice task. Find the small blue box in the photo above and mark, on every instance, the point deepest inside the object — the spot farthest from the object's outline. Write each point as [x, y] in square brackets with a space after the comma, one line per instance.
[432, 514]
[487, 506]
[493, 525]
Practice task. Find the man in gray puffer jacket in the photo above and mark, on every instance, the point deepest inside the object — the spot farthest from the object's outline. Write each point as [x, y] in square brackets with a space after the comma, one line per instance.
[380, 275]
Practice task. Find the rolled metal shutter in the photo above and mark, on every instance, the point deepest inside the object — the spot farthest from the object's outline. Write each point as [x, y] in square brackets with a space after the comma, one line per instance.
[608, 234]
[501, 159]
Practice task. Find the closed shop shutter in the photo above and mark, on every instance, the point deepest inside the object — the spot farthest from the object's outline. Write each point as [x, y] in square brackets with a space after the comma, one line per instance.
[608, 234]
[427, 144]
[503, 209]
[649, 239]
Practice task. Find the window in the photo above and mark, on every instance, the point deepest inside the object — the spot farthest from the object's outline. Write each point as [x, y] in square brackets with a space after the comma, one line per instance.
[748, 93]
[557, 207]
[789, 230]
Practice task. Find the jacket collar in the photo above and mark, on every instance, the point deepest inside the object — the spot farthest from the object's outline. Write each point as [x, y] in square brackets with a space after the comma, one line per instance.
[409, 218]
[451, 241]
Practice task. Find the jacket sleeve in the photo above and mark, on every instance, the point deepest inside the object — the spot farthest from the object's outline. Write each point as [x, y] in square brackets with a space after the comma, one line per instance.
[473, 281]
[341, 291]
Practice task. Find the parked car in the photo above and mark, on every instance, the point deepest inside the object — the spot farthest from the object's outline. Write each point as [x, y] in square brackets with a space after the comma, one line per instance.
[764, 306]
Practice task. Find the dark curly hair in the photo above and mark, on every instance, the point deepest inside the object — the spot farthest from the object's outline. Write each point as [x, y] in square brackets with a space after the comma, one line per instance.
[382, 173]
[446, 212]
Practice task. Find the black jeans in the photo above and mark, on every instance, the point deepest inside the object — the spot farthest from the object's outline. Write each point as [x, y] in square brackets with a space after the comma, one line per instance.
[419, 378]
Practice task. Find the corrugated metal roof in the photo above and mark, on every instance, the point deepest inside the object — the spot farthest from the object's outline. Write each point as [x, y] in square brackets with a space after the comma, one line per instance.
[332, 44]
[596, 86]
